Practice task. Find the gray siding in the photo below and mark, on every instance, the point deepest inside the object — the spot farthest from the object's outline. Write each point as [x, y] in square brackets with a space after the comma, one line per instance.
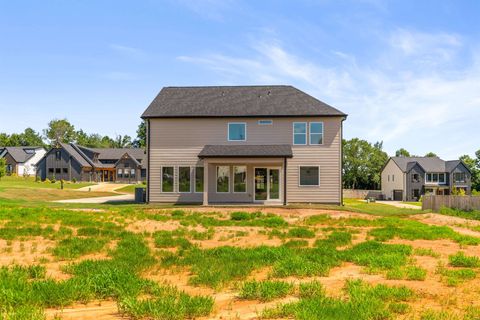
[49, 162]
[415, 185]
[468, 184]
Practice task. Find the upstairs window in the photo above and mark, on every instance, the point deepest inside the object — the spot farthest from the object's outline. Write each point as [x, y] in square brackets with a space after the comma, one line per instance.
[237, 131]
[415, 177]
[460, 177]
[316, 133]
[300, 133]
[435, 178]
[58, 155]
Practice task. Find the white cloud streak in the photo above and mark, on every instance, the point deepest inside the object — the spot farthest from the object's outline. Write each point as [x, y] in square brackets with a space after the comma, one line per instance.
[409, 96]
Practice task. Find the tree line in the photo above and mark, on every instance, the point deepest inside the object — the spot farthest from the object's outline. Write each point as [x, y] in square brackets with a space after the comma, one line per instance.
[61, 130]
[363, 163]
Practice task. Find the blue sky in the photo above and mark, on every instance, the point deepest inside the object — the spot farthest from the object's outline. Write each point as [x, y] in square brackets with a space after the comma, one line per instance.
[406, 72]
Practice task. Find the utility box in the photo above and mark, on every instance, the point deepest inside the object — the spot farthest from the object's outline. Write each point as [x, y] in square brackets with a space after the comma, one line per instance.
[140, 195]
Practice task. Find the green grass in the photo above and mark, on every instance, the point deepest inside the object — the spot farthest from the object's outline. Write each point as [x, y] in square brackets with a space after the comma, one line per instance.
[454, 277]
[378, 256]
[166, 239]
[300, 232]
[473, 214]
[336, 239]
[414, 230]
[21, 182]
[426, 252]
[130, 188]
[407, 273]
[461, 260]
[377, 209]
[75, 247]
[265, 290]
[364, 302]
[27, 290]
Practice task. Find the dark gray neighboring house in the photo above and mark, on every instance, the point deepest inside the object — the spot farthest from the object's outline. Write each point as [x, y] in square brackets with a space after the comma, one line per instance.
[408, 178]
[69, 161]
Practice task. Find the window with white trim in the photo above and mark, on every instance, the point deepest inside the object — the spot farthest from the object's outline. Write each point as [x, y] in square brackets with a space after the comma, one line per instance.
[223, 179]
[239, 179]
[435, 178]
[184, 179]
[237, 131]
[119, 173]
[199, 179]
[167, 179]
[309, 176]
[300, 133]
[316, 133]
[459, 177]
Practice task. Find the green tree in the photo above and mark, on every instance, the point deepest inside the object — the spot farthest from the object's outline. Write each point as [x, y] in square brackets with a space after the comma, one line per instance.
[474, 167]
[60, 130]
[123, 141]
[30, 137]
[141, 140]
[4, 138]
[431, 155]
[3, 168]
[402, 153]
[362, 164]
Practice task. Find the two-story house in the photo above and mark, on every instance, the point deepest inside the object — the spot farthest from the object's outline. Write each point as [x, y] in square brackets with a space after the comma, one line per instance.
[22, 161]
[408, 178]
[243, 144]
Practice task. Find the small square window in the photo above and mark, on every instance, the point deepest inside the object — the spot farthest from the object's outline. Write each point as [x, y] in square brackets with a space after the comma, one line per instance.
[237, 131]
[309, 176]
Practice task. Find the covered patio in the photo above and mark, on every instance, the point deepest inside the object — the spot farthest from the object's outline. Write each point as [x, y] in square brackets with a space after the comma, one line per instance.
[245, 173]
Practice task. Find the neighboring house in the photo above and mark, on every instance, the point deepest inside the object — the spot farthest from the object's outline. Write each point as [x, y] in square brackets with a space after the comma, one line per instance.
[69, 161]
[408, 178]
[22, 160]
[243, 144]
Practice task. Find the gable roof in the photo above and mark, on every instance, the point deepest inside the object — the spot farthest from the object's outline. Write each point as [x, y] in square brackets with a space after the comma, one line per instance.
[77, 154]
[237, 101]
[428, 164]
[19, 154]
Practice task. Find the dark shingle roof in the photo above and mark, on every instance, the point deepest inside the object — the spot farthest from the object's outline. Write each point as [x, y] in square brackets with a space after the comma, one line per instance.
[236, 101]
[429, 164]
[19, 154]
[228, 151]
[117, 153]
[77, 154]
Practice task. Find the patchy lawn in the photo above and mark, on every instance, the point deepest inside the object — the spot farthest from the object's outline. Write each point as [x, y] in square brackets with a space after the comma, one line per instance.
[364, 261]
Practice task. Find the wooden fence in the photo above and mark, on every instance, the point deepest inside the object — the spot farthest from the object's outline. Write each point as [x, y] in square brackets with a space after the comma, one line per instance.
[362, 194]
[466, 203]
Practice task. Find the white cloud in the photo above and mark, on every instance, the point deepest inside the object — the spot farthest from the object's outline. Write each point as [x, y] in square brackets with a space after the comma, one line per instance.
[426, 108]
[127, 51]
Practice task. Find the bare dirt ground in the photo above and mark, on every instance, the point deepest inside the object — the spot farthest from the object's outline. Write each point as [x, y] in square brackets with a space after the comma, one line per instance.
[432, 293]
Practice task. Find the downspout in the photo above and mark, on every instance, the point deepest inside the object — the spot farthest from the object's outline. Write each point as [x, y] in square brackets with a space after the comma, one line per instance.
[285, 181]
[341, 162]
[148, 162]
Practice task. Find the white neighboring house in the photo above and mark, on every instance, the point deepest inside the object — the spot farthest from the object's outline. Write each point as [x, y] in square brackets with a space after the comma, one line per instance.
[22, 160]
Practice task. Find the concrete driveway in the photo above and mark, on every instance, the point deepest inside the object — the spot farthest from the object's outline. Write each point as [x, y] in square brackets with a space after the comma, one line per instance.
[103, 187]
[400, 204]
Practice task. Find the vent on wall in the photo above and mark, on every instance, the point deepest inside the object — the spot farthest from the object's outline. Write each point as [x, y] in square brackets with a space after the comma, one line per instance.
[265, 122]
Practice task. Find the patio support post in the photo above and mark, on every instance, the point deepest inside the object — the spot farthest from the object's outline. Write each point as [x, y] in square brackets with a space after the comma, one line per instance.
[205, 182]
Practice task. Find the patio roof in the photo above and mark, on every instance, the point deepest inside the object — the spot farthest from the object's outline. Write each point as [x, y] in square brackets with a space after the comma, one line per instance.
[246, 151]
